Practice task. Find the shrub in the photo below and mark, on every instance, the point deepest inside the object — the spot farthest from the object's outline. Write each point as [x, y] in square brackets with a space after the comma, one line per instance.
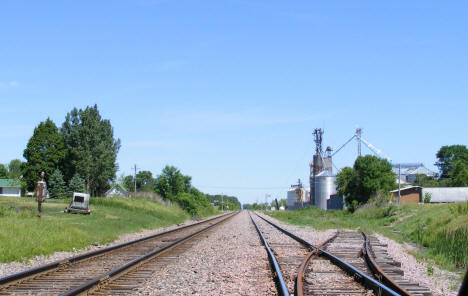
[427, 197]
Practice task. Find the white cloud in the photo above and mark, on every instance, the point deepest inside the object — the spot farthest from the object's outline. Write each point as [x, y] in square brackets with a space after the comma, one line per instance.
[9, 84]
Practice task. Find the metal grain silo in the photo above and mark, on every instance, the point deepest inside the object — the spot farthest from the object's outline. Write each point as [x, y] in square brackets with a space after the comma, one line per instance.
[293, 197]
[324, 186]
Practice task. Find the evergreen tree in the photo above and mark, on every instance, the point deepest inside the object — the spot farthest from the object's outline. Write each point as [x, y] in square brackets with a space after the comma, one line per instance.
[77, 184]
[92, 149]
[57, 188]
[45, 152]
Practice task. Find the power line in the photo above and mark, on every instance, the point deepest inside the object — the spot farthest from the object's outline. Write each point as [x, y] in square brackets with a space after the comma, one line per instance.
[245, 188]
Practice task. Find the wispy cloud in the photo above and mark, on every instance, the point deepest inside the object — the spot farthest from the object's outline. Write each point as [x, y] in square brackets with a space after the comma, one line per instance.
[9, 84]
[214, 120]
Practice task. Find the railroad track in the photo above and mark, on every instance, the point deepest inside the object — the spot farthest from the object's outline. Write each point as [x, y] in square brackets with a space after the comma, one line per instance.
[349, 263]
[95, 270]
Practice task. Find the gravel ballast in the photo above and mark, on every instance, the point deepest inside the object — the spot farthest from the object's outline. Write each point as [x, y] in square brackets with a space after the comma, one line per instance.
[230, 260]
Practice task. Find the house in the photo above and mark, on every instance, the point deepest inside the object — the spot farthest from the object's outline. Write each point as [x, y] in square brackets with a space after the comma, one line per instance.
[116, 190]
[417, 194]
[10, 187]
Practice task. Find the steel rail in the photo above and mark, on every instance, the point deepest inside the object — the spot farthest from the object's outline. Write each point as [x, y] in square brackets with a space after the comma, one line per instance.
[118, 270]
[9, 279]
[305, 263]
[378, 272]
[357, 274]
[280, 283]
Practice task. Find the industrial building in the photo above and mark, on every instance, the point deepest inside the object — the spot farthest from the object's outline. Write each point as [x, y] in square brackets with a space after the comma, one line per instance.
[409, 172]
[322, 193]
[322, 180]
[297, 197]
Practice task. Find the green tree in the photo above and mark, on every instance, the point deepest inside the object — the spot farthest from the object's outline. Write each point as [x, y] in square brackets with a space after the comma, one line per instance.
[173, 185]
[128, 183]
[145, 181]
[76, 184]
[368, 176]
[459, 174]
[92, 149]
[15, 168]
[45, 151]
[346, 181]
[57, 188]
[172, 182]
[3, 172]
[447, 156]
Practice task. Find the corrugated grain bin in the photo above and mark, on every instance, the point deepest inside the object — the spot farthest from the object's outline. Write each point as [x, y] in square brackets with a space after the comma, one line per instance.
[324, 186]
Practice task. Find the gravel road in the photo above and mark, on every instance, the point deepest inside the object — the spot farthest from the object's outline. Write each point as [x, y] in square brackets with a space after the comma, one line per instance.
[230, 260]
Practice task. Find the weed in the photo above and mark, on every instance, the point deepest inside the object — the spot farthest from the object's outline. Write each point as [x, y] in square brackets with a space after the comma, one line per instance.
[430, 270]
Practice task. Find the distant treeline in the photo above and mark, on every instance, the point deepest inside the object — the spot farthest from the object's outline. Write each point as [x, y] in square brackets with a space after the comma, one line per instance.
[171, 184]
[224, 201]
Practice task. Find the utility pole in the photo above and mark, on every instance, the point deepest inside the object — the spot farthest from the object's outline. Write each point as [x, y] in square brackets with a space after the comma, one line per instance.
[134, 180]
[399, 182]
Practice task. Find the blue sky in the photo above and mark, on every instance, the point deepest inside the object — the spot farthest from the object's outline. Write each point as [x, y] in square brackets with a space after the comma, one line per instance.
[230, 91]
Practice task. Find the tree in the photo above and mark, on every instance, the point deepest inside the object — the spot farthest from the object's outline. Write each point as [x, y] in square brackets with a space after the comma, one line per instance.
[368, 176]
[128, 183]
[76, 184]
[172, 182]
[459, 174]
[447, 156]
[15, 168]
[92, 149]
[145, 181]
[429, 181]
[57, 188]
[3, 172]
[45, 152]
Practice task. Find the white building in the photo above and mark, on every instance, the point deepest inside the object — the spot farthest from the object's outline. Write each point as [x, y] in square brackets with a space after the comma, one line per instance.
[445, 194]
[116, 190]
[10, 187]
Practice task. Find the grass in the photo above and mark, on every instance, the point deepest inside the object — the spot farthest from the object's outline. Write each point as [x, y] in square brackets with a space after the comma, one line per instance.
[23, 235]
[441, 231]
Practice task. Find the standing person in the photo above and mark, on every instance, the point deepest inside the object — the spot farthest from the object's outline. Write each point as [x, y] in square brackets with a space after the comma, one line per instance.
[41, 193]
